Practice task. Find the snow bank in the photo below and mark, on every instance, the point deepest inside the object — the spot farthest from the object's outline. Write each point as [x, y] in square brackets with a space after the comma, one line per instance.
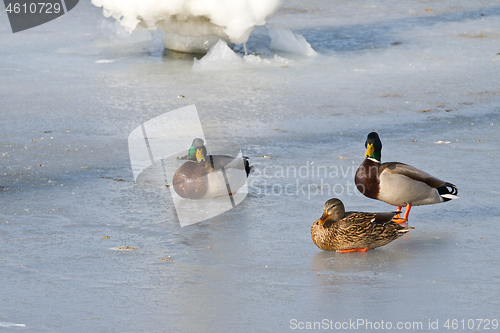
[231, 20]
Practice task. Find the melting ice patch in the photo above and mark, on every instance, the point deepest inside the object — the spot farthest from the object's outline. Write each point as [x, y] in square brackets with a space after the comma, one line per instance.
[231, 20]
[5, 324]
[285, 40]
[221, 56]
[104, 61]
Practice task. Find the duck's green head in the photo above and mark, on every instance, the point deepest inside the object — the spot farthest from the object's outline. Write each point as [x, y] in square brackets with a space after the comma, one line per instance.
[334, 209]
[373, 146]
[192, 151]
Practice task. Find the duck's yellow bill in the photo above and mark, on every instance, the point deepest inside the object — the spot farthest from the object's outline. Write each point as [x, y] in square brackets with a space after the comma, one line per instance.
[369, 150]
[199, 155]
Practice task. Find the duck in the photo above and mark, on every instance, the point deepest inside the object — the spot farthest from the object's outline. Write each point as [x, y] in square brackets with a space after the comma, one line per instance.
[205, 176]
[341, 231]
[399, 184]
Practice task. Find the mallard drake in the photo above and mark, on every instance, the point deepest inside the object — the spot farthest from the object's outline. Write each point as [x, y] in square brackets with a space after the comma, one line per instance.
[397, 183]
[341, 231]
[209, 176]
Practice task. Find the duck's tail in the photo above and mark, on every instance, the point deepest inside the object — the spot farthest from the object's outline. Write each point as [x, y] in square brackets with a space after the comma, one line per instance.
[248, 168]
[448, 192]
[404, 230]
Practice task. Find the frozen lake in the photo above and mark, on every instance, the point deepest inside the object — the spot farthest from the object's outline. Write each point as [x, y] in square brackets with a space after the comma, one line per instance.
[84, 249]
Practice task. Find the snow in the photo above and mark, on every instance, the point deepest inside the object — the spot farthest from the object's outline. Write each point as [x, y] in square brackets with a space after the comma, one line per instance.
[426, 81]
[199, 20]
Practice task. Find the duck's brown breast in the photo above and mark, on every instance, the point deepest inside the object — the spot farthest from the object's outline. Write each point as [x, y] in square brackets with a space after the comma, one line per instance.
[367, 178]
[324, 238]
[190, 180]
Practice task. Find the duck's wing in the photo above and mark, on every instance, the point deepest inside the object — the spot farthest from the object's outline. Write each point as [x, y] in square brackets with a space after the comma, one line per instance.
[358, 219]
[351, 219]
[413, 173]
[219, 161]
[382, 218]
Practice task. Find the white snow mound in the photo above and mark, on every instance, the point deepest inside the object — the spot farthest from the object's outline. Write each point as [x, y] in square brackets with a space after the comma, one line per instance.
[218, 57]
[231, 20]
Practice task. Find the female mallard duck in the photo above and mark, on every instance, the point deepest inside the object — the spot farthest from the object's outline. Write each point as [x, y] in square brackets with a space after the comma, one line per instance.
[209, 176]
[341, 231]
[397, 183]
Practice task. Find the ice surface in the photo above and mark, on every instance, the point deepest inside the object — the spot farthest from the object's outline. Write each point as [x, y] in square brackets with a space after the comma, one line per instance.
[231, 20]
[419, 78]
[285, 40]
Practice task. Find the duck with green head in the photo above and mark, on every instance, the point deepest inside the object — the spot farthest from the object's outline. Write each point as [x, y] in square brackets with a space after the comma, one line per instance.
[209, 176]
[397, 183]
[341, 231]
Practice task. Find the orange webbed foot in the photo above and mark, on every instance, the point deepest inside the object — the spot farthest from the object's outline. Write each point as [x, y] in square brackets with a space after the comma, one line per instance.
[358, 249]
[397, 218]
[398, 215]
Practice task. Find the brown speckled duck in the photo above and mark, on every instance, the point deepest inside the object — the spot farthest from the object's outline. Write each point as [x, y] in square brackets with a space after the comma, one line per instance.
[341, 231]
[399, 184]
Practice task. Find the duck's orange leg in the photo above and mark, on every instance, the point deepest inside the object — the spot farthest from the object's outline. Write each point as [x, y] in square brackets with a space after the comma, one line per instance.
[407, 212]
[358, 249]
[398, 215]
[398, 218]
